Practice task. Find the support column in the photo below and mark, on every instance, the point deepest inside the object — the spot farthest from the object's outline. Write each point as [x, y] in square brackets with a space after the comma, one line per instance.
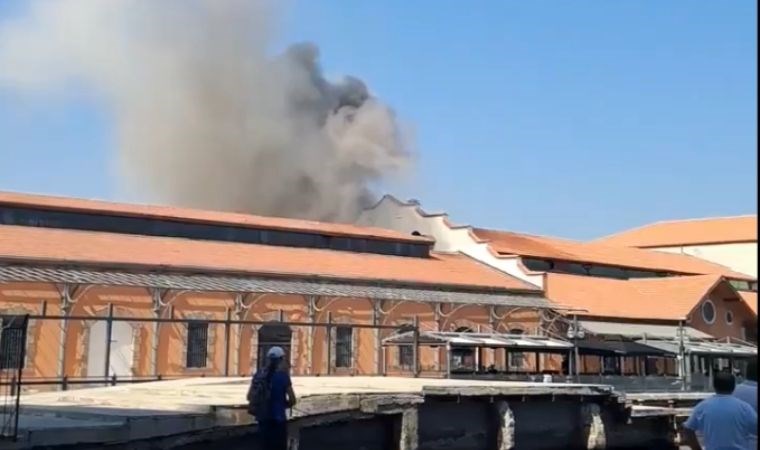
[227, 340]
[376, 319]
[158, 309]
[440, 353]
[312, 313]
[416, 348]
[409, 436]
[328, 336]
[594, 426]
[236, 332]
[66, 304]
[505, 439]
[109, 333]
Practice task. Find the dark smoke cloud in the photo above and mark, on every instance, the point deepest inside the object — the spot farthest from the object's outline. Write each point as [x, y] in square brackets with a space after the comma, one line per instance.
[206, 117]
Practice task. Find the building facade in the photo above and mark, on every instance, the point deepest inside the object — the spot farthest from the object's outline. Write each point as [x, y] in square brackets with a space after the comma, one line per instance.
[134, 291]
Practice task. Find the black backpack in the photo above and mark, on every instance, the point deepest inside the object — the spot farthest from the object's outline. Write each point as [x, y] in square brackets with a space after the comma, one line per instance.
[260, 395]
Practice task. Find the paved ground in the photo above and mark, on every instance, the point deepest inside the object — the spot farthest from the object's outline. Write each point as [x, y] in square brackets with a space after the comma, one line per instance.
[198, 394]
[173, 407]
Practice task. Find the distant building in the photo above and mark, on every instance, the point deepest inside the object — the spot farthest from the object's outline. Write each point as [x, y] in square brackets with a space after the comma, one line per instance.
[730, 241]
[607, 281]
[642, 310]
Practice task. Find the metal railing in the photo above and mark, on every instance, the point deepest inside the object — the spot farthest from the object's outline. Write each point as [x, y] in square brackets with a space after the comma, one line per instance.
[73, 338]
[12, 355]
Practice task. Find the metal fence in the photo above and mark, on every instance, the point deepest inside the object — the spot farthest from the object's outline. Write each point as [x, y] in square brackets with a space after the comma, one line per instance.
[72, 351]
[13, 332]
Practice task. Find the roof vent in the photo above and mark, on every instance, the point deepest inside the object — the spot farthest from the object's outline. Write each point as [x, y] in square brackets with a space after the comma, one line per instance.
[413, 201]
[416, 233]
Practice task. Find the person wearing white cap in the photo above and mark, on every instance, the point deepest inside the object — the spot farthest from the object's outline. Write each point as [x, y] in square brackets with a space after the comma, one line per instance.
[269, 396]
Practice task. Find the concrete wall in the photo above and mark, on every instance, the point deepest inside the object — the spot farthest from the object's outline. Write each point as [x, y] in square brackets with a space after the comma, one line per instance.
[741, 257]
[309, 352]
[408, 218]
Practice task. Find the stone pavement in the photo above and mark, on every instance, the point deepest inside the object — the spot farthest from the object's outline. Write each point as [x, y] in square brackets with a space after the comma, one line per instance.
[166, 408]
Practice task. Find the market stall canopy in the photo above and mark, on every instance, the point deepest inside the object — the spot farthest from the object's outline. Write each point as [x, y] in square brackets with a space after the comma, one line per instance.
[484, 340]
[639, 330]
[707, 348]
[619, 348]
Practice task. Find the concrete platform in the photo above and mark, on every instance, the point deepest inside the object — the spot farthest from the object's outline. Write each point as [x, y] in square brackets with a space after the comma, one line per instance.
[199, 406]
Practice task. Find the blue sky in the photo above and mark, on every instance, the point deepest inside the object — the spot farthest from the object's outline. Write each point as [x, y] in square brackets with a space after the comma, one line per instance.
[573, 119]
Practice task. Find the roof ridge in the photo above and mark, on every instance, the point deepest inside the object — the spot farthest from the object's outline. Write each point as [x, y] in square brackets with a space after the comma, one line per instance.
[671, 221]
[522, 233]
[200, 215]
[697, 219]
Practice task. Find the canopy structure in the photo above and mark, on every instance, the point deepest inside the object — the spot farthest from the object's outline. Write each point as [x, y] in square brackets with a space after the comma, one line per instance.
[706, 348]
[639, 330]
[480, 340]
[619, 348]
[291, 285]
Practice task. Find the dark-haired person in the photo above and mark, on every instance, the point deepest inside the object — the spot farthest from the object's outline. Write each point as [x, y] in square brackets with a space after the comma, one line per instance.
[724, 421]
[275, 391]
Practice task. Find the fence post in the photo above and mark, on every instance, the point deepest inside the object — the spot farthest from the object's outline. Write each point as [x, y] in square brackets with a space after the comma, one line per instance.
[681, 356]
[227, 325]
[109, 333]
[329, 342]
[113, 380]
[416, 347]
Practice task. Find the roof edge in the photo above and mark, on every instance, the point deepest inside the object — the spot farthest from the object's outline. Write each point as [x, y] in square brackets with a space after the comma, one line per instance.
[210, 221]
[195, 270]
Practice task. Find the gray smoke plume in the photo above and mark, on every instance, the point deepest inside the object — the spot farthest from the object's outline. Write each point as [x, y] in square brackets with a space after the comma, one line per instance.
[205, 116]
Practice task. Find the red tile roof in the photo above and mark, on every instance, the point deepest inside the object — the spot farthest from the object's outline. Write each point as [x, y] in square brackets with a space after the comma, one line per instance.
[671, 298]
[719, 230]
[202, 216]
[31, 244]
[509, 243]
[750, 298]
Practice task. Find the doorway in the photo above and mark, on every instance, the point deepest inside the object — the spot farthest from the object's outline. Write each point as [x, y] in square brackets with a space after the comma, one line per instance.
[273, 334]
[121, 359]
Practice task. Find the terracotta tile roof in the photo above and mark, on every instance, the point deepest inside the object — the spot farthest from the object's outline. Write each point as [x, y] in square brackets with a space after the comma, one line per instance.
[719, 230]
[201, 216]
[750, 298]
[116, 250]
[509, 243]
[670, 298]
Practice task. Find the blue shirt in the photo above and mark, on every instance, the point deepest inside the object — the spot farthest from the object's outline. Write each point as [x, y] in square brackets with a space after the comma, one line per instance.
[747, 391]
[725, 422]
[279, 390]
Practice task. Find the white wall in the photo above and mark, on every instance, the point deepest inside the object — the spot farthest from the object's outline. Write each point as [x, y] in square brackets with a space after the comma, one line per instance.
[741, 257]
[391, 214]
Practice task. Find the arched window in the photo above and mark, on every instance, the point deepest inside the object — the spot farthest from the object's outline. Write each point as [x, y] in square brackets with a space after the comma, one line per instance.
[463, 358]
[516, 359]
